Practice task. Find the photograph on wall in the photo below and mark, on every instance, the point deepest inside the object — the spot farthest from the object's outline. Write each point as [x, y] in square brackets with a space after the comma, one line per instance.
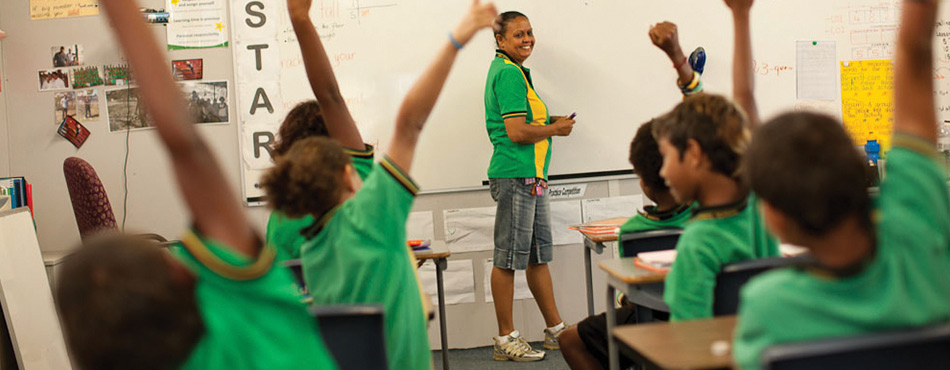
[53, 79]
[88, 108]
[64, 105]
[124, 110]
[83, 77]
[117, 75]
[73, 131]
[67, 55]
[189, 69]
[207, 101]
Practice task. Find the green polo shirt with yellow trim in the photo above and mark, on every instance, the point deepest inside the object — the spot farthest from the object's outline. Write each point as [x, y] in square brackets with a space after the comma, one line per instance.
[905, 284]
[650, 219]
[251, 311]
[360, 255]
[509, 92]
[284, 232]
[713, 237]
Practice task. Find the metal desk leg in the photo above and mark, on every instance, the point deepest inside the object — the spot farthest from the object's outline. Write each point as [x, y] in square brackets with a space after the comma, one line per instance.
[590, 285]
[611, 317]
[440, 265]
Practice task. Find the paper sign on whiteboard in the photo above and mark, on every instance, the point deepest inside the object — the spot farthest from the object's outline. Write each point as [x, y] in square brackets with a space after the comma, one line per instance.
[563, 215]
[816, 70]
[866, 100]
[194, 24]
[419, 226]
[459, 280]
[557, 192]
[604, 208]
[470, 229]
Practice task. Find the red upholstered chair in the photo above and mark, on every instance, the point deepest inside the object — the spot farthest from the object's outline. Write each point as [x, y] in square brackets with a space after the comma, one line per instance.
[90, 202]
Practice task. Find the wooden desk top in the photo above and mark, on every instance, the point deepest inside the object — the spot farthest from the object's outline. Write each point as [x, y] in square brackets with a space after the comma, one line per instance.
[437, 250]
[602, 238]
[626, 271]
[683, 345]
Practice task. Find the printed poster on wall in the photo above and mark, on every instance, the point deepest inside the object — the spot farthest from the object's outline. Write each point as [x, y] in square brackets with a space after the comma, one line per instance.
[867, 105]
[196, 24]
[51, 9]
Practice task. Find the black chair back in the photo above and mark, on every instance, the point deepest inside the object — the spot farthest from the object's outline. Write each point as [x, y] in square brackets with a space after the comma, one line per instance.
[649, 241]
[918, 349]
[734, 275]
[354, 335]
[297, 269]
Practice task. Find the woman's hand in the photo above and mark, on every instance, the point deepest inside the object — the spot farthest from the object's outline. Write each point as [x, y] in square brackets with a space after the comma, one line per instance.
[563, 126]
[479, 16]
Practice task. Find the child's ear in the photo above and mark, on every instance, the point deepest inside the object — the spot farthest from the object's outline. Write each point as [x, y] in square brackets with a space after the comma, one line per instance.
[351, 179]
[775, 221]
[693, 154]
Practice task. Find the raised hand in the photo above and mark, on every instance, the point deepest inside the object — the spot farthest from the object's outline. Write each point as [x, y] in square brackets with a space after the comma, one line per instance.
[739, 5]
[299, 8]
[665, 37]
[479, 16]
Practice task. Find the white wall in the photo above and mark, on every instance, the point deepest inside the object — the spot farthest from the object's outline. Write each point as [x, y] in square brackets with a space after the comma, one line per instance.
[4, 139]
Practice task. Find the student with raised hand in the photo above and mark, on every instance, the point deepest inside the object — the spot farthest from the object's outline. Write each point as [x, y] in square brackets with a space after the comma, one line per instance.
[356, 252]
[218, 301]
[666, 37]
[871, 273]
[702, 142]
[326, 116]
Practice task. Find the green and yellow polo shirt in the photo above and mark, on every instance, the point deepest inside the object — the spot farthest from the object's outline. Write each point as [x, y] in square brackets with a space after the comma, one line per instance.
[284, 232]
[904, 284]
[713, 237]
[252, 314]
[650, 219]
[360, 255]
[509, 92]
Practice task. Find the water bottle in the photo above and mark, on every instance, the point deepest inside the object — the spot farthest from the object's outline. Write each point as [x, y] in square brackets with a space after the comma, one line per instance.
[872, 149]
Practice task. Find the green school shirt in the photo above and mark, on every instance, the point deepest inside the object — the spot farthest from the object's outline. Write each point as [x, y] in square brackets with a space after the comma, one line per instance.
[905, 284]
[713, 237]
[650, 219]
[284, 232]
[509, 92]
[360, 255]
[251, 311]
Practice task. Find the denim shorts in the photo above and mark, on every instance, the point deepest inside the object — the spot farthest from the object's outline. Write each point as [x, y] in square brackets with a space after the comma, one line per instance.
[522, 225]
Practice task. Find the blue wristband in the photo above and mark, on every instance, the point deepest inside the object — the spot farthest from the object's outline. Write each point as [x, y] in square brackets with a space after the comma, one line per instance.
[455, 42]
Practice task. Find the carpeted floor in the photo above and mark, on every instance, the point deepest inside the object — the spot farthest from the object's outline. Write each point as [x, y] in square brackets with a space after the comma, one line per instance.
[481, 359]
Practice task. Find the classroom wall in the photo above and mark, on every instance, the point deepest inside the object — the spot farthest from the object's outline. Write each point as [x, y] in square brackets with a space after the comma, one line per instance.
[4, 137]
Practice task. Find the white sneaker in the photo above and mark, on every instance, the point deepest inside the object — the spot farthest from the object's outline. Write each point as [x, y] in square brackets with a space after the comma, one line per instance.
[550, 338]
[516, 349]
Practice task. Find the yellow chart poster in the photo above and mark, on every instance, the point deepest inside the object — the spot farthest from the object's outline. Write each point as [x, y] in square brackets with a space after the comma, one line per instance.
[867, 106]
[50, 9]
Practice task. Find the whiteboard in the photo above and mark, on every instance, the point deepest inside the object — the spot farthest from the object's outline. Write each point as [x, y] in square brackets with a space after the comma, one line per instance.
[27, 300]
[592, 57]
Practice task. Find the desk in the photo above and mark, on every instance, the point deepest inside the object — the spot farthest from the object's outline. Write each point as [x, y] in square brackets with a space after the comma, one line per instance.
[596, 243]
[624, 275]
[439, 253]
[683, 345]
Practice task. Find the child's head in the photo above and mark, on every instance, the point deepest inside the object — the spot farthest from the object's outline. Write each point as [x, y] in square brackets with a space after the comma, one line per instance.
[125, 303]
[646, 160]
[704, 134]
[805, 167]
[311, 178]
[305, 120]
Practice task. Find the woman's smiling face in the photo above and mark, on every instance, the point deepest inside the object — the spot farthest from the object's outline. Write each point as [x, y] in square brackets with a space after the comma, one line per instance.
[518, 40]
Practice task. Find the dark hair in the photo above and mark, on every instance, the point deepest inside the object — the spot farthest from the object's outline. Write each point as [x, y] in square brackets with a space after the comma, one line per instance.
[305, 120]
[646, 159]
[308, 179]
[713, 121]
[501, 23]
[806, 166]
[123, 308]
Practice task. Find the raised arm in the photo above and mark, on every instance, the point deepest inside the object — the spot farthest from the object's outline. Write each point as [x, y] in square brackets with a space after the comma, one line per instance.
[421, 98]
[743, 82]
[913, 76]
[214, 207]
[338, 120]
[665, 36]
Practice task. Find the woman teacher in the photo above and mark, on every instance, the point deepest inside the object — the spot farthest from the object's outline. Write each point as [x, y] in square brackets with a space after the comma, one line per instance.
[520, 131]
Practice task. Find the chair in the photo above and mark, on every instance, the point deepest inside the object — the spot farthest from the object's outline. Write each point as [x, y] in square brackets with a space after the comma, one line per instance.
[354, 335]
[649, 241]
[918, 349]
[89, 200]
[734, 275]
[296, 268]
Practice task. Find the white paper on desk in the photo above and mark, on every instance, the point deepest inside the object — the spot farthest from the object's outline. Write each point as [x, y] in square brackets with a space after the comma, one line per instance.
[603, 208]
[459, 280]
[469, 229]
[563, 215]
[521, 283]
[817, 70]
[419, 226]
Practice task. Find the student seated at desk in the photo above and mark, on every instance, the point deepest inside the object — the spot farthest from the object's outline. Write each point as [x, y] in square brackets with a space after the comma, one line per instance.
[356, 252]
[328, 116]
[584, 345]
[219, 302]
[881, 265]
[702, 141]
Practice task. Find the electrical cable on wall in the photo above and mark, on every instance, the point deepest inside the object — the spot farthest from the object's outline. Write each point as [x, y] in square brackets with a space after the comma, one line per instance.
[125, 164]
